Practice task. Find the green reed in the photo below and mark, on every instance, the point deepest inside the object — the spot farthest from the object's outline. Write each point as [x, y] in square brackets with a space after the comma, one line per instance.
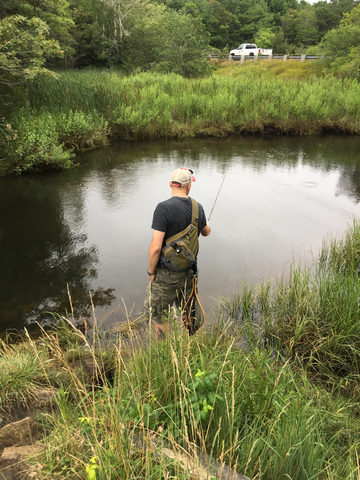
[144, 102]
[312, 315]
[266, 419]
[80, 110]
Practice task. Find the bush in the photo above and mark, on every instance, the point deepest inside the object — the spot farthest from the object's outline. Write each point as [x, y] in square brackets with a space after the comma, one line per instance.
[36, 145]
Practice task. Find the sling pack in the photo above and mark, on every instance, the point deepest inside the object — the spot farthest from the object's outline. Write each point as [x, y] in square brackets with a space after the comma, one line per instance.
[180, 251]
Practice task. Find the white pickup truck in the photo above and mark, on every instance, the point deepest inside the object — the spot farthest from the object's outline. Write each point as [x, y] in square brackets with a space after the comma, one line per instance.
[251, 50]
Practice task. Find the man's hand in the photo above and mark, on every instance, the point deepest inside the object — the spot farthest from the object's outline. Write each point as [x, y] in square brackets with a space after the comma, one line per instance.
[152, 277]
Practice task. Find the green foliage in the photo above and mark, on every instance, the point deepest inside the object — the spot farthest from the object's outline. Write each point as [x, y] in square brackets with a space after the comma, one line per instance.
[204, 388]
[280, 7]
[92, 469]
[153, 104]
[280, 45]
[23, 48]
[300, 26]
[329, 14]
[264, 38]
[120, 24]
[183, 44]
[47, 141]
[267, 417]
[54, 13]
[249, 17]
[22, 373]
[37, 144]
[138, 35]
[80, 110]
[342, 46]
[138, 54]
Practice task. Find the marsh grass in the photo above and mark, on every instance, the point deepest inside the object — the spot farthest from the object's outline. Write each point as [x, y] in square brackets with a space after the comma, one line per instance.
[156, 106]
[21, 373]
[292, 70]
[78, 110]
[312, 315]
[174, 400]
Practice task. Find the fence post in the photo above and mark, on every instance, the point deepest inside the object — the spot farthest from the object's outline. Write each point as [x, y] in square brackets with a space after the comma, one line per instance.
[303, 57]
[230, 58]
[270, 57]
[285, 58]
[242, 58]
[256, 57]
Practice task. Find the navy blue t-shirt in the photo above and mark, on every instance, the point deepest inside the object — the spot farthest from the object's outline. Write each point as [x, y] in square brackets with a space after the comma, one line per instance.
[174, 215]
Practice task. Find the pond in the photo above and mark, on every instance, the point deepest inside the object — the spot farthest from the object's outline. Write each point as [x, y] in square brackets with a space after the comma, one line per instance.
[87, 230]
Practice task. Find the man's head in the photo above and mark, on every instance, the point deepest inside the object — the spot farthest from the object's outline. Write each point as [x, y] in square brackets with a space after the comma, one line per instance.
[182, 178]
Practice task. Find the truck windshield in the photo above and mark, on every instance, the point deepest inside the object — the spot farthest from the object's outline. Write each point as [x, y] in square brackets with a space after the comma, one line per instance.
[241, 47]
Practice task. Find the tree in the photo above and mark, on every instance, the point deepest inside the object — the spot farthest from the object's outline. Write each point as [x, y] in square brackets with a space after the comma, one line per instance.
[329, 14]
[23, 48]
[115, 21]
[280, 7]
[140, 49]
[264, 38]
[55, 13]
[342, 46]
[280, 45]
[249, 17]
[300, 25]
[183, 44]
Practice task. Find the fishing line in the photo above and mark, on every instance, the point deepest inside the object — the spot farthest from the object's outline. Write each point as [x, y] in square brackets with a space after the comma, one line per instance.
[217, 196]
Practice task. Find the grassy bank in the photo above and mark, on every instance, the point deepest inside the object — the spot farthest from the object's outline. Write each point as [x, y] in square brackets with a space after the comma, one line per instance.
[79, 110]
[286, 406]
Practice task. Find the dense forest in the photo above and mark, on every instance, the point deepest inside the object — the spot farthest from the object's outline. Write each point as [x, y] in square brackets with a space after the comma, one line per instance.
[43, 40]
[140, 34]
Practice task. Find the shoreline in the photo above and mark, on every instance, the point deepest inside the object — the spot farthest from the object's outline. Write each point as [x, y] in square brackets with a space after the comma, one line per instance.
[81, 110]
[263, 131]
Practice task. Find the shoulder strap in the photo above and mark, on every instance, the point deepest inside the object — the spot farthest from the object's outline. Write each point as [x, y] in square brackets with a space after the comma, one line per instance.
[195, 213]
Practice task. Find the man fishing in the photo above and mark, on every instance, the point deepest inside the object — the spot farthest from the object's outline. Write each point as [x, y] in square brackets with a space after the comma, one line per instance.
[177, 224]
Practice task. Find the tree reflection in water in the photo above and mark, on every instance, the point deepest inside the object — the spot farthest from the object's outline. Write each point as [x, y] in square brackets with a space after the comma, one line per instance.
[41, 256]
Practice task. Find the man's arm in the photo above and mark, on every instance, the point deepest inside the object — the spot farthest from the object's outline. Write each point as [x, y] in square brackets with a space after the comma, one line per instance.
[154, 252]
[206, 230]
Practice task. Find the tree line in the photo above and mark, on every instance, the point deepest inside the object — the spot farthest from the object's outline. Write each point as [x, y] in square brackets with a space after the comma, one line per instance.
[167, 35]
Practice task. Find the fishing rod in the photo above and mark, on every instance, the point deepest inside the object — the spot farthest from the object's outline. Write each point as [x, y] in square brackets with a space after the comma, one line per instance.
[217, 196]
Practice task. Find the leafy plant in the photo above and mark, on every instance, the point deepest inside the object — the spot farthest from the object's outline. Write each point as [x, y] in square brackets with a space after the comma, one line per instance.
[203, 396]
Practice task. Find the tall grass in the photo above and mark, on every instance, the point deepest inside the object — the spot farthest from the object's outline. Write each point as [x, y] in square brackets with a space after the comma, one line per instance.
[312, 315]
[175, 400]
[153, 105]
[79, 110]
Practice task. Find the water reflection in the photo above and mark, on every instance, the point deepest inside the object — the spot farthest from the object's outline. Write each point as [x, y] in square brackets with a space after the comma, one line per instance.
[41, 256]
[349, 183]
[89, 227]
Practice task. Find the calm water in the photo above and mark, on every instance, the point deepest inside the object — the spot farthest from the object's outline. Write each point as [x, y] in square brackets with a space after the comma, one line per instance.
[89, 228]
